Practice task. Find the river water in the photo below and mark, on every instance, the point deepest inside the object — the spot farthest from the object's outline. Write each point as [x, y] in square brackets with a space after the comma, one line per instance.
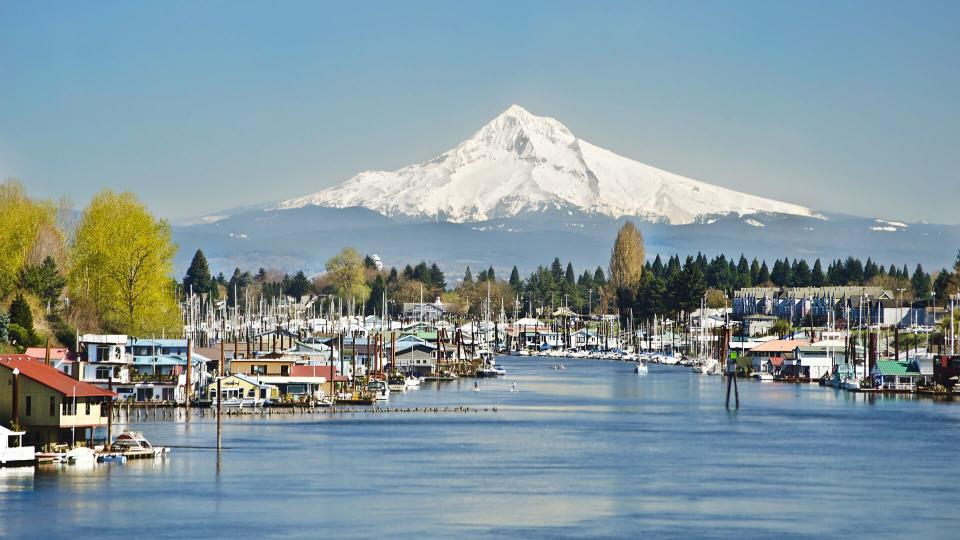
[591, 451]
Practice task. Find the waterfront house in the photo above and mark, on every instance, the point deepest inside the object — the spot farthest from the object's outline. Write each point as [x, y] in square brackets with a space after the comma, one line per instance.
[769, 356]
[50, 406]
[103, 359]
[240, 386]
[302, 382]
[275, 364]
[893, 375]
[811, 362]
[416, 358]
[60, 357]
[758, 324]
[423, 311]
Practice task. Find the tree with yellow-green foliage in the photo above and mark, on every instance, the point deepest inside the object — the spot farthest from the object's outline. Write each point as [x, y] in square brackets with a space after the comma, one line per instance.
[22, 222]
[346, 271]
[122, 262]
[626, 264]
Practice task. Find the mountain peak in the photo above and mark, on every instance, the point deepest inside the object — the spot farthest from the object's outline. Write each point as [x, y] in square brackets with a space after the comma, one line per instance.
[520, 163]
[519, 131]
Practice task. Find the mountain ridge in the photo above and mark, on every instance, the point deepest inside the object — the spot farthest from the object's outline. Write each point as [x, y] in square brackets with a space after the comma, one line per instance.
[521, 163]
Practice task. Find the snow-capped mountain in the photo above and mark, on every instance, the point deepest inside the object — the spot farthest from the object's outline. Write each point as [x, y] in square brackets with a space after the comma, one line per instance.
[521, 163]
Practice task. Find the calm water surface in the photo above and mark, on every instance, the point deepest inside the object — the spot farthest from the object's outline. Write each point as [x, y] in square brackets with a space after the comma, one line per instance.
[593, 451]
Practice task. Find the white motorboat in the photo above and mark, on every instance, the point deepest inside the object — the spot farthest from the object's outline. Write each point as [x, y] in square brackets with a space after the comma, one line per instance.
[81, 455]
[640, 368]
[397, 383]
[379, 389]
[17, 455]
[763, 376]
[132, 445]
[412, 382]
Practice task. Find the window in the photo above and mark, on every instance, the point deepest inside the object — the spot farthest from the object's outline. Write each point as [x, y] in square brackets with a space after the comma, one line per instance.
[53, 406]
[29, 405]
[285, 371]
[86, 402]
[259, 369]
[103, 373]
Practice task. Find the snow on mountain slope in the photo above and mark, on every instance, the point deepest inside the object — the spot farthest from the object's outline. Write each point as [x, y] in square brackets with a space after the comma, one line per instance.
[521, 163]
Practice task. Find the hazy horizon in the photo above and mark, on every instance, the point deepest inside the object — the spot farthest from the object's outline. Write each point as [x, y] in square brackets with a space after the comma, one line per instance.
[203, 107]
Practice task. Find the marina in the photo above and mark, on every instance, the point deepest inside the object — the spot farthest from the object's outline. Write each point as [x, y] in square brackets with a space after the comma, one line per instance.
[622, 455]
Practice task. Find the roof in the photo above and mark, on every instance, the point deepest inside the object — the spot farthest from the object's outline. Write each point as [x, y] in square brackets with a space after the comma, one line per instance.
[892, 367]
[51, 377]
[780, 345]
[157, 342]
[56, 353]
[247, 380]
[776, 360]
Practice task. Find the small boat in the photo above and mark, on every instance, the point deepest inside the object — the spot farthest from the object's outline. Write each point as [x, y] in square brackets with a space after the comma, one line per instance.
[514, 387]
[476, 387]
[379, 389]
[640, 368]
[559, 367]
[17, 455]
[412, 382]
[397, 383]
[763, 376]
[132, 445]
[81, 455]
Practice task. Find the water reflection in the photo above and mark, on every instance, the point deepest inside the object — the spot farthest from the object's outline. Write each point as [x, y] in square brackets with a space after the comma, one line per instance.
[594, 450]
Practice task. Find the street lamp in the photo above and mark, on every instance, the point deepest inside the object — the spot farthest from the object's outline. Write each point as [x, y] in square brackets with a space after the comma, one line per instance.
[16, 396]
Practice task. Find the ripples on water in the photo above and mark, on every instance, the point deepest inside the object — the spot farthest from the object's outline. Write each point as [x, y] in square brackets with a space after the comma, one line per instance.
[593, 451]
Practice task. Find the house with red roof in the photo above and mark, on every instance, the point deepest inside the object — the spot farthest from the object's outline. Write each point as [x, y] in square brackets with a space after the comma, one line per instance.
[769, 356]
[59, 357]
[50, 406]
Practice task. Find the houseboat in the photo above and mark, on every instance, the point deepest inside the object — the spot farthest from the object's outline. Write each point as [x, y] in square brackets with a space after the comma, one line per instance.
[12, 451]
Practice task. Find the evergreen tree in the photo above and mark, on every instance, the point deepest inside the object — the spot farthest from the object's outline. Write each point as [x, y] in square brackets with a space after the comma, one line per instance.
[599, 279]
[570, 276]
[375, 300]
[744, 278]
[779, 274]
[436, 277]
[763, 277]
[755, 272]
[408, 272]
[491, 274]
[300, 285]
[20, 313]
[515, 278]
[657, 268]
[422, 273]
[870, 270]
[393, 277]
[921, 284]
[368, 262]
[817, 279]
[44, 280]
[197, 278]
[556, 270]
[941, 287]
[853, 269]
[468, 277]
[235, 287]
[801, 275]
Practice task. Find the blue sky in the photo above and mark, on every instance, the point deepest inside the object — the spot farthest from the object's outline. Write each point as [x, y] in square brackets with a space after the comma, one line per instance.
[200, 106]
